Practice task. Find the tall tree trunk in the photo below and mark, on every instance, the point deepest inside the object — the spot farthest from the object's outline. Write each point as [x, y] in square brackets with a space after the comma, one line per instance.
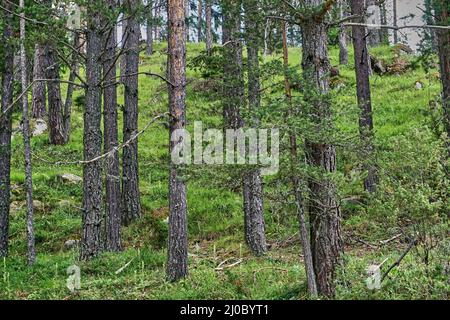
[343, 50]
[442, 9]
[55, 107]
[124, 44]
[253, 208]
[157, 16]
[394, 12]
[131, 204]
[208, 13]
[177, 264]
[187, 7]
[111, 140]
[324, 207]
[71, 87]
[38, 109]
[199, 20]
[362, 69]
[149, 47]
[306, 245]
[5, 127]
[374, 38]
[384, 33]
[92, 241]
[31, 254]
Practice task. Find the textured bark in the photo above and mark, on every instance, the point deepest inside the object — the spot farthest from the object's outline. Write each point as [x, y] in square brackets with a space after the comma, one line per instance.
[343, 50]
[177, 264]
[123, 57]
[362, 70]
[131, 204]
[208, 35]
[306, 244]
[149, 47]
[394, 13]
[38, 91]
[111, 140]
[31, 252]
[5, 128]
[326, 243]
[92, 242]
[253, 204]
[199, 20]
[443, 39]
[55, 106]
[71, 87]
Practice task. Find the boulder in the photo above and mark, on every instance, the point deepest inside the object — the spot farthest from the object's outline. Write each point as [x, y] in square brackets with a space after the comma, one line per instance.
[40, 126]
[71, 178]
[71, 244]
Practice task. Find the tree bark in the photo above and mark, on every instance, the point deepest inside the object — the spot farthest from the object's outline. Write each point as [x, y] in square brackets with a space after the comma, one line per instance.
[124, 44]
[149, 47]
[177, 264]
[199, 20]
[306, 244]
[131, 204]
[31, 253]
[394, 12]
[92, 241]
[55, 107]
[111, 140]
[208, 13]
[253, 207]
[326, 243]
[343, 50]
[38, 91]
[362, 70]
[5, 128]
[374, 38]
[443, 38]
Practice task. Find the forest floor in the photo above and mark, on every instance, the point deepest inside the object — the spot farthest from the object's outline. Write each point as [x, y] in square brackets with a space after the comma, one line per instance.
[221, 266]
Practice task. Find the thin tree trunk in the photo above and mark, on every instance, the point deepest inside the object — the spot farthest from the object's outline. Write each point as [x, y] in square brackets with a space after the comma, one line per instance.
[325, 215]
[55, 108]
[374, 38]
[71, 87]
[38, 91]
[149, 47]
[131, 204]
[208, 13]
[384, 33]
[111, 140]
[443, 39]
[343, 50]
[394, 4]
[306, 245]
[5, 128]
[253, 207]
[92, 242]
[362, 69]
[123, 57]
[199, 20]
[31, 254]
[177, 264]
[187, 7]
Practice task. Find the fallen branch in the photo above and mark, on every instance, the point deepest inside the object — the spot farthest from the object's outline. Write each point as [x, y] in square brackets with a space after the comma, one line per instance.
[124, 267]
[397, 263]
[222, 265]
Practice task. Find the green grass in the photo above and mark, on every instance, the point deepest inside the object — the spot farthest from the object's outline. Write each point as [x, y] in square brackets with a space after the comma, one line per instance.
[215, 213]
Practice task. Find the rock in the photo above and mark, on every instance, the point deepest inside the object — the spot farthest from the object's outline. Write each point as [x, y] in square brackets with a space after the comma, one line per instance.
[71, 244]
[377, 66]
[38, 205]
[39, 127]
[71, 178]
[15, 207]
[334, 72]
[64, 203]
[419, 85]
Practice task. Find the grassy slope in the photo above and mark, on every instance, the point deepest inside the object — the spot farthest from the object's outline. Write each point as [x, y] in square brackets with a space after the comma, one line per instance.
[215, 215]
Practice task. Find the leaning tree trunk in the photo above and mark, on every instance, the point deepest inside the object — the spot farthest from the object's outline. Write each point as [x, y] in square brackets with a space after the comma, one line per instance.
[131, 205]
[343, 50]
[199, 20]
[208, 35]
[31, 253]
[362, 70]
[5, 127]
[111, 140]
[177, 264]
[38, 109]
[55, 107]
[92, 242]
[443, 39]
[149, 41]
[253, 207]
[324, 207]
